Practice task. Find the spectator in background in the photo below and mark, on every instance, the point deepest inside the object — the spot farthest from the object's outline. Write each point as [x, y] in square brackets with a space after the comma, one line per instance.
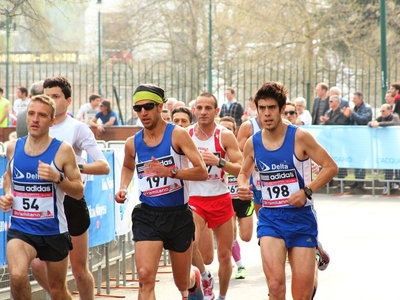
[232, 107]
[107, 116]
[290, 112]
[182, 116]
[170, 103]
[335, 116]
[4, 109]
[395, 90]
[134, 120]
[321, 103]
[88, 110]
[251, 110]
[360, 115]
[336, 91]
[303, 115]
[389, 99]
[22, 129]
[178, 104]
[22, 102]
[166, 115]
[387, 118]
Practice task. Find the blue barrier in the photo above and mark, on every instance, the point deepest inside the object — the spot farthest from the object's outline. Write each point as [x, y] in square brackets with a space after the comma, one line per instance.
[360, 147]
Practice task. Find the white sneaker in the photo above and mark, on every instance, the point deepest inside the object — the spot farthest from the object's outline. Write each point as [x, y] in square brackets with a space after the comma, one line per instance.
[394, 186]
[208, 285]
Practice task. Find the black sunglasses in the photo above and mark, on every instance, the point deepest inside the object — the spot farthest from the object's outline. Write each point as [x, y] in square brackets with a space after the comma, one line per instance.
[290, 112]
[147, 106]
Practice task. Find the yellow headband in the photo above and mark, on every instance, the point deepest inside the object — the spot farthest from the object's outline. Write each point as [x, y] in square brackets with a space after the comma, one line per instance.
[145, 95]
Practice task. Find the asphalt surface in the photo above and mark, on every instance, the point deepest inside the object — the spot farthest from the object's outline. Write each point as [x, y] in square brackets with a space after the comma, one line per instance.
[361, 234]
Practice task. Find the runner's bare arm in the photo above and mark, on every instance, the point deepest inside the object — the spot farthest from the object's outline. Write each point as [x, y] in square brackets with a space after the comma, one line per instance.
[65, 159]
[183, 141]
[243, 134]
[244, 188]
[312, 149]
[234, 154]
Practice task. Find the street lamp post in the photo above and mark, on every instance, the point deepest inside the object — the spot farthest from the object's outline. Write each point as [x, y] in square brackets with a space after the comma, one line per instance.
[99, 45]
[7, 53]
[209, 81]
[384, 79]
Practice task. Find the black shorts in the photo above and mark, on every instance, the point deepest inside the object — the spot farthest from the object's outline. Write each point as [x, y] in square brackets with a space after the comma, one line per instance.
[77, 214]
[172, 225]
[243, 208]
[48, 247]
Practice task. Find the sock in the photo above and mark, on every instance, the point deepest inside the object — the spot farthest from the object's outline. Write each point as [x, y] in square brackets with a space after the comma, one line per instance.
[239, 264]
[221, 297]
[236, 251]
[205, 275]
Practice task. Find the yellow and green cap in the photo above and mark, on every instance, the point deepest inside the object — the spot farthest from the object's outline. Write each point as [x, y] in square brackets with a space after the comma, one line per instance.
[149, 92]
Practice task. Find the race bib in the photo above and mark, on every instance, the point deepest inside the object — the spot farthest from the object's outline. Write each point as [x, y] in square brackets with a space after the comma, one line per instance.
[33, 200]
[277, 186]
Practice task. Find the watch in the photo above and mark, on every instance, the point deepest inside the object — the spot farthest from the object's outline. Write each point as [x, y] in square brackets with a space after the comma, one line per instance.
[80, 166]
[60, 180]
[308, 192]
[174, 172]
[222, 163]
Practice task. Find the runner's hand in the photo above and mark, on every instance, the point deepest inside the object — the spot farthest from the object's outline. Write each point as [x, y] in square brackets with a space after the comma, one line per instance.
[6, 202]
[245, 192]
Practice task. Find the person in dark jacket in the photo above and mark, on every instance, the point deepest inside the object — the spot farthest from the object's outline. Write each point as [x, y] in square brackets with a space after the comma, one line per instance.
[360, 115]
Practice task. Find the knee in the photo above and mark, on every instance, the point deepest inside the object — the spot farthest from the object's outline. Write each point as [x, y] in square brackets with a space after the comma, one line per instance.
[224, 257]
[181, 284]
[80, 272]
[246, 236]
[37, 266]
[208, 259]
[18, 277]
[146, 276]
[276, 288]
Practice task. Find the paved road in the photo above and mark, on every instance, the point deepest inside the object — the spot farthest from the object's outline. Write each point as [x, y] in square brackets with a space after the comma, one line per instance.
[362, 236]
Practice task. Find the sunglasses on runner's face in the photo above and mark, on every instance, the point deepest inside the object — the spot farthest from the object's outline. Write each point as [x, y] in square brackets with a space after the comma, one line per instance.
[147, 106]
[290, 112]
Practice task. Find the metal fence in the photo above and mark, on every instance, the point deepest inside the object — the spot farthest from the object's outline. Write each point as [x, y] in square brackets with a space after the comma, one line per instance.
[184, 80]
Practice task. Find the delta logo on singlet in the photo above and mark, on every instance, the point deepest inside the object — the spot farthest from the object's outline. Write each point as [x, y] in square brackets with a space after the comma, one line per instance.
[277, 173]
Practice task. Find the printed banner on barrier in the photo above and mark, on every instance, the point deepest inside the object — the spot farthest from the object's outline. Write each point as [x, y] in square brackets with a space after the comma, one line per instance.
[4, 217]
[99, 195]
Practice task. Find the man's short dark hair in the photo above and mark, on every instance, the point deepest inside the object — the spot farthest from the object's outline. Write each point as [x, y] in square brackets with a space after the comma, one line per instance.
[23, 90]
[272, 90]
[61, 82]
[1, 90]
[182, 109]
[359, 95]
[231, 90]
[93, 97]
[209, 95]
[396, 86]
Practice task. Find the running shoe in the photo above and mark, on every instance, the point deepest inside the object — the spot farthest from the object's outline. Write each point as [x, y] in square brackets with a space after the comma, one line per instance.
[323, 256]
[197, 294]
[208, 286]
[241, 273]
